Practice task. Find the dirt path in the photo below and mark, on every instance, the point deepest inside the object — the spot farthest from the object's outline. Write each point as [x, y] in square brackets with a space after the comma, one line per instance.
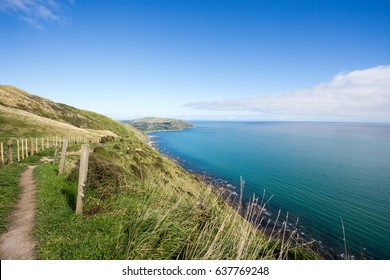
[18, 242]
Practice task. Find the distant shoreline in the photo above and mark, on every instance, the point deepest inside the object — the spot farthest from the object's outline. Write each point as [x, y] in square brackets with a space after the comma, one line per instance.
[155, 124]
[168, 130]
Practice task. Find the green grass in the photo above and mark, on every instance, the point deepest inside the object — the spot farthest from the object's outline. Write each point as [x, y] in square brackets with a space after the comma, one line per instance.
[12, 126]
[9, 192]
[62, 234]
[35, 159]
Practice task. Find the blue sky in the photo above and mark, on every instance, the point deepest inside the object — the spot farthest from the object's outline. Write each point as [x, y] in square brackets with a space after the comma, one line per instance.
[203, 59]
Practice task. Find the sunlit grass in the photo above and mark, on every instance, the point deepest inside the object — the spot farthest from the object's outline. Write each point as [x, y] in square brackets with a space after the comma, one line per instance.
[9, 192]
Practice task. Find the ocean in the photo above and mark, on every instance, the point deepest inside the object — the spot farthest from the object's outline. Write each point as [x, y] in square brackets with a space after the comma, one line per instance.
[317, 172]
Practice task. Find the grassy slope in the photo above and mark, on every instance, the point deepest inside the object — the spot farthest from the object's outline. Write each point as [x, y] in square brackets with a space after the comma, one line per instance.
[47, 117]
[16, 123]
[25, 115]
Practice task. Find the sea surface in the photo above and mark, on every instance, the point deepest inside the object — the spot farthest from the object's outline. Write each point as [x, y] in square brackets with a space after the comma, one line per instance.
[319, 172]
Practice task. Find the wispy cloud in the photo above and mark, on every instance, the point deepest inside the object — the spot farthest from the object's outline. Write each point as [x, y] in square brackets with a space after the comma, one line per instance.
[36, 12]
[363, 94]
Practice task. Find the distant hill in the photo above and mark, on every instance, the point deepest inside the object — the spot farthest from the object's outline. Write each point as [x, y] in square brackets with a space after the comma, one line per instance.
[159, 124]
[22, 113]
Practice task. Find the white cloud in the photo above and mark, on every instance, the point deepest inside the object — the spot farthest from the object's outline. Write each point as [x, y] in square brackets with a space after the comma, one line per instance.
[36, 12]
[361, 94]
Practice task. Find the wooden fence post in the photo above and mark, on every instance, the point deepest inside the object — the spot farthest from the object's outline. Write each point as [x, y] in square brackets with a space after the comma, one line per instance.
[18, 148]
[47, 142]
[82, 178]
[55, 156]
[22, 148]
[63, 156]
[10, 159]
[25, 145]
[43, 146]
[31, 147]
[36, 145]
[2, 152]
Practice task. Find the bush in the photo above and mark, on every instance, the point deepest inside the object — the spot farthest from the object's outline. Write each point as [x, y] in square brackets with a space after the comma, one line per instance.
[106, 139]
[103, 175]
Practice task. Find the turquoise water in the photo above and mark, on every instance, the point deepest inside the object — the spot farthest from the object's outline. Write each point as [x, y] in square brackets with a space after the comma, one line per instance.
[318, 172]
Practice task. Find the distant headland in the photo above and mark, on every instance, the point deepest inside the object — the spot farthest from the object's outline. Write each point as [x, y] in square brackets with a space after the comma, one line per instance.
[150, 124]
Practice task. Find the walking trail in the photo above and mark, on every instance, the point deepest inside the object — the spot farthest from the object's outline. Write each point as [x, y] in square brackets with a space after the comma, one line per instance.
[18, 242]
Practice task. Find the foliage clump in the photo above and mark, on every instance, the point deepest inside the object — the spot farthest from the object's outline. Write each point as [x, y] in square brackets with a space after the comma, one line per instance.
[106, 139]
[103, 152]
[104, 175]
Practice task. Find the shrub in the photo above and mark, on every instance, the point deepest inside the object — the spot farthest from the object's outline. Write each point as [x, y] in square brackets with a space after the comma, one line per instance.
[103, 175]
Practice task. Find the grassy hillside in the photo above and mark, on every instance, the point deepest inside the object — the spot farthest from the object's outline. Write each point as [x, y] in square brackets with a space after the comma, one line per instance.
[17, 123]
[159, 124]
[20, 110]
[138, 203]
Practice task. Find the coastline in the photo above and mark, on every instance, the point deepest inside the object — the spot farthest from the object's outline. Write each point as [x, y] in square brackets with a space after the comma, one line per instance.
[151, 142]
[264, 220]
[167, 130]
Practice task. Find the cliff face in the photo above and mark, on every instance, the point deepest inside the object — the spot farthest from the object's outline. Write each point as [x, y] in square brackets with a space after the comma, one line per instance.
[159, 124]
